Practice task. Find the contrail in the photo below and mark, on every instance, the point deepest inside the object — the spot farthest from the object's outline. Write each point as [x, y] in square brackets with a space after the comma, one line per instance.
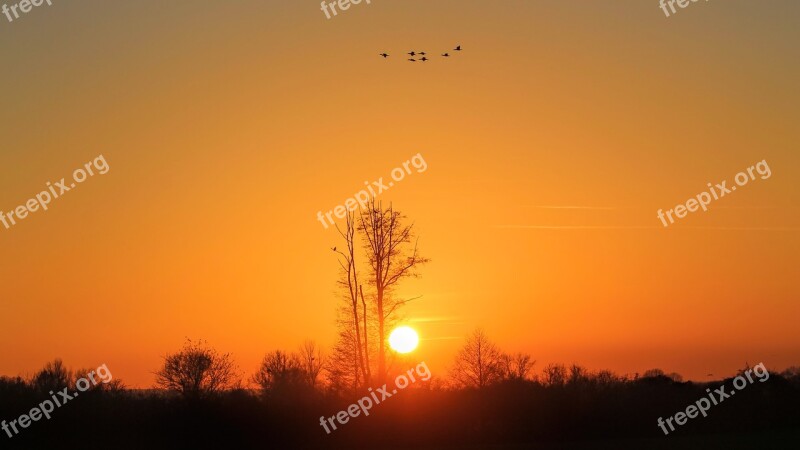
[591, 227]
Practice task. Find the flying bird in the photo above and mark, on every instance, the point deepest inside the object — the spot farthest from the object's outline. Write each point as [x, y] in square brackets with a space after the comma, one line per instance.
[423, 59]
[384, 55]
[411, 53]
[445, 54]
[412, 60]
[458, 49]
[422, 53]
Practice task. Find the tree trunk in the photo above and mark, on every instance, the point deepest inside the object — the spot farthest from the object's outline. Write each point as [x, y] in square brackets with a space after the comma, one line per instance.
[367, 371]
[382, 340]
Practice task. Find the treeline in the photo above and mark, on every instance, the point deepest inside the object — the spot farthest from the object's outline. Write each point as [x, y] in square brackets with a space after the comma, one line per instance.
[489, 398]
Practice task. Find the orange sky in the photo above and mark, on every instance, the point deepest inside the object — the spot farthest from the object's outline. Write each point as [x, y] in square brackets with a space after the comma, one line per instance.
[228, 126]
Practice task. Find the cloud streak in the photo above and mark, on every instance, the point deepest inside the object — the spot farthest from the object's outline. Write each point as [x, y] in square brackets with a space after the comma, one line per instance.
[612, 227]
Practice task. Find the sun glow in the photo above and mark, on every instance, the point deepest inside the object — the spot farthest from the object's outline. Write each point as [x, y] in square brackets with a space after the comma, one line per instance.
[403, 340]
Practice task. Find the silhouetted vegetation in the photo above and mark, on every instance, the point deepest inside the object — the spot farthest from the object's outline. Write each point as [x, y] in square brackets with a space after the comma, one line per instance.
[556, 407]
[196, 371]
[368, 281]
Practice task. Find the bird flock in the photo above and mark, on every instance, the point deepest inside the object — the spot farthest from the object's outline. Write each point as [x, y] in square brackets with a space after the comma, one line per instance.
[424, 56]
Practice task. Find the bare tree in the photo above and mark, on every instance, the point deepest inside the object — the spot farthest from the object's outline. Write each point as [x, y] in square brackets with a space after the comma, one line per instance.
[280, 373]
[311, 361]
[114, 385]
[392, 254]
[676, 377]
[555, 375]
[197, 370]
[54, 376]
[342, 367]
[578, 375]
[605, 378]
[479, 363]
[349, 283]
[517, 366]
[653, 373]
[359, 356]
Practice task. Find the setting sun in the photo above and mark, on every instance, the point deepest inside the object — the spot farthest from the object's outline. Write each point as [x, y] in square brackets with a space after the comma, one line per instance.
[403, 340]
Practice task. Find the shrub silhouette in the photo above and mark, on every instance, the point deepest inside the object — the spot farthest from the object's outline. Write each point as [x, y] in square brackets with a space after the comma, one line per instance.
[197, 371]
[54, 376]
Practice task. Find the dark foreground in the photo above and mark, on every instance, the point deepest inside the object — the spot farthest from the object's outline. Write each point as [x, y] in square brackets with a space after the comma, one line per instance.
[578, 414]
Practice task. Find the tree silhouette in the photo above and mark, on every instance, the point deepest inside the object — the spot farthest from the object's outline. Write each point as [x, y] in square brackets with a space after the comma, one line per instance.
[115, 385]
[343, 368]
[197, 370]
[348, 281]
[281, 373]
[555, 375]
[393, 255]
[517, 366]
[54, 376]
[311, 361]
[478, 364]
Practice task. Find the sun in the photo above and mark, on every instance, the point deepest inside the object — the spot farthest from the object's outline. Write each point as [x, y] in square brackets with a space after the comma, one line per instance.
[403, 340]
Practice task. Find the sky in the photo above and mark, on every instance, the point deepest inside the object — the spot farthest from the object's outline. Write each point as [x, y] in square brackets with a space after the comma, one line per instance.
[551, 141]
